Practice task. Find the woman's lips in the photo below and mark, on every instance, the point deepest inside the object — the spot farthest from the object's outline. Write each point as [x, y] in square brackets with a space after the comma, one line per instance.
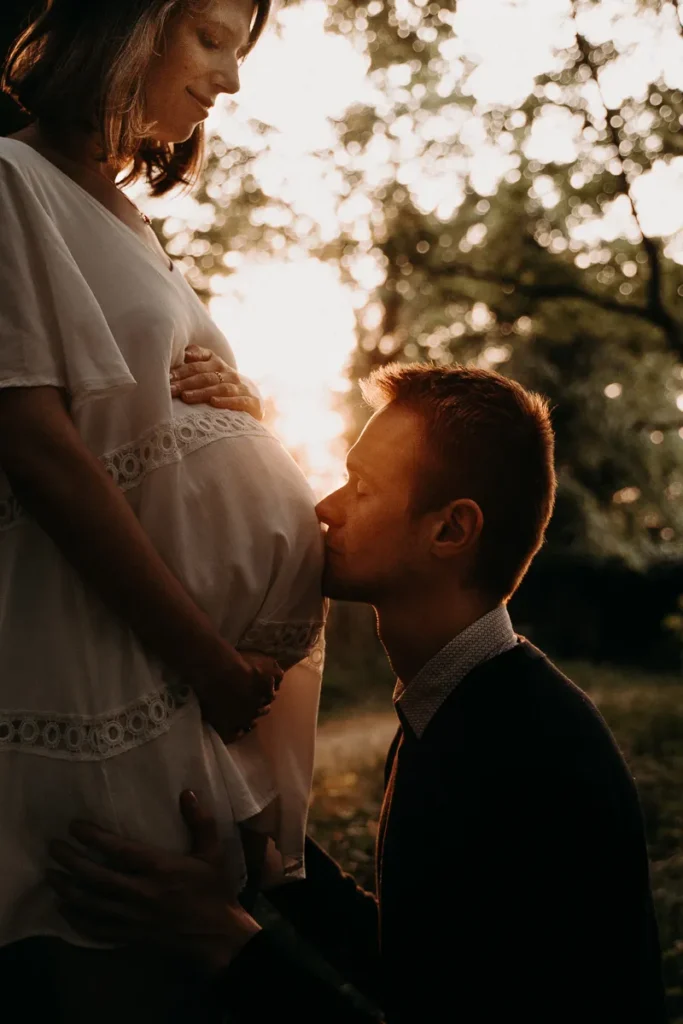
[203, 106]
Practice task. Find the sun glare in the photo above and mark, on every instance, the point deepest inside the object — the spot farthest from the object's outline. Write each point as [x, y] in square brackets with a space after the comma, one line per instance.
[291, 326]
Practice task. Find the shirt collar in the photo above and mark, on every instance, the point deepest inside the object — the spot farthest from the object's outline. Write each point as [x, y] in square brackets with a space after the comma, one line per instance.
[486, 638]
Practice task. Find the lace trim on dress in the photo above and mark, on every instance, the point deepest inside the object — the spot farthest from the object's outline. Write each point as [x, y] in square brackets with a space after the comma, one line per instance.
[93, 737]
[97, 737]
[287, 642]
[169, 442]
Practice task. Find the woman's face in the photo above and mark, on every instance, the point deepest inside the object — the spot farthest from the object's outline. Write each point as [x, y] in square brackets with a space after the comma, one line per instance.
[199, 60]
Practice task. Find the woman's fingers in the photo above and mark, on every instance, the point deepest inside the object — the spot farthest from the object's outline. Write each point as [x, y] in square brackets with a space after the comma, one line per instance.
[205, 394]
[182, 377]
[195, 353]
[205, 381]
[197, 368]
[194, 369]
[205, 378]
[225, 396]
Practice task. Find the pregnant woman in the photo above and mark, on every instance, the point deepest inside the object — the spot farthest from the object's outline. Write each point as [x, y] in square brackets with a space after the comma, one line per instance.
[145, 538]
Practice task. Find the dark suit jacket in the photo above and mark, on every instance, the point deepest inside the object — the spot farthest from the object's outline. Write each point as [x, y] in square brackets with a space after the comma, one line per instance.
[512, 874]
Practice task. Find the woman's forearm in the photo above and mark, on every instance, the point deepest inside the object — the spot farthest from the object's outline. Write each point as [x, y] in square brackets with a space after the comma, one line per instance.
[68, 492]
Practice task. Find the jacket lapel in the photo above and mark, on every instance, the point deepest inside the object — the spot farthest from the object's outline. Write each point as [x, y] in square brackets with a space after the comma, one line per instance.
[390, 769]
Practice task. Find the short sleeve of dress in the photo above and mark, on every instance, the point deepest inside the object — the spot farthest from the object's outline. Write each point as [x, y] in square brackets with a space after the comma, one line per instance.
[52, 329]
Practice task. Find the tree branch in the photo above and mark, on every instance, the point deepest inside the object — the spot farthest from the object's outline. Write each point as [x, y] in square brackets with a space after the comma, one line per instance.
[664, 426]
[544, 291]
[657, 312]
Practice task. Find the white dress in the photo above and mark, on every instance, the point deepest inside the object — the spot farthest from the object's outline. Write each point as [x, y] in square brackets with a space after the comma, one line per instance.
[90, 725]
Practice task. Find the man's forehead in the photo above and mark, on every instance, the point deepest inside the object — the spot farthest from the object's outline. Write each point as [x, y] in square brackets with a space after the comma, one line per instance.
[391, 438]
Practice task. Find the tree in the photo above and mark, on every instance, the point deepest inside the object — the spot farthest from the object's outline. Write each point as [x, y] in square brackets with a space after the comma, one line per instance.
[516, 275]
[525, 271]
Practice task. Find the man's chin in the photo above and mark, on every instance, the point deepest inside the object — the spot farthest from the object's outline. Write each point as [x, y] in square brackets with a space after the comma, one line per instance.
[340, 589]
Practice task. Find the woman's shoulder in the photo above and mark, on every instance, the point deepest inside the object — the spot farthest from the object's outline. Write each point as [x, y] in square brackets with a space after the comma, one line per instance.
[17, 154]
[32, 188]
[23, 170]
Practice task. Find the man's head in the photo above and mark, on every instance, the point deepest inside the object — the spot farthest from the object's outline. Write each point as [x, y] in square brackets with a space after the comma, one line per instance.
[451, 485]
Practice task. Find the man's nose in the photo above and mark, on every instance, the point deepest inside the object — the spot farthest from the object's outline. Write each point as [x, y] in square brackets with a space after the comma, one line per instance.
[327, 510]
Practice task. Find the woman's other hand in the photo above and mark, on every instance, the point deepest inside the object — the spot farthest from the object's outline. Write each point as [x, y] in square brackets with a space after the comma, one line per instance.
[233, 702]
[206, 378]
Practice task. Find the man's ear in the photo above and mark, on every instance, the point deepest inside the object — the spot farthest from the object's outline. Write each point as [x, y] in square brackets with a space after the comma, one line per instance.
[457, 529]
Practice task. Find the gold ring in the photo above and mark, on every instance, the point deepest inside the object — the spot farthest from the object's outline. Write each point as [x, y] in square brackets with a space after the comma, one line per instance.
[219, 377]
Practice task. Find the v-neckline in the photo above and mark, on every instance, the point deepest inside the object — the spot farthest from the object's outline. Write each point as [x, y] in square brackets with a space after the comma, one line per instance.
[109, 214]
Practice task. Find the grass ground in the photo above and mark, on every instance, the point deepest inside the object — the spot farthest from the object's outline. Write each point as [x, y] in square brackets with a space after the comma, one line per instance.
[645, 714]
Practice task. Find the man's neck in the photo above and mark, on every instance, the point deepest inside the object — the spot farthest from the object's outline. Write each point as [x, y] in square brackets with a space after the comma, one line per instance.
[413, 632]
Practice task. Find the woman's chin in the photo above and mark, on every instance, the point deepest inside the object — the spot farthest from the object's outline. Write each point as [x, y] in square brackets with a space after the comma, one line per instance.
[177, 134]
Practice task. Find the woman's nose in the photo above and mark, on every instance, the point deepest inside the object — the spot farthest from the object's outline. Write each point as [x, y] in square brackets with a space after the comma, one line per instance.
[229, 78]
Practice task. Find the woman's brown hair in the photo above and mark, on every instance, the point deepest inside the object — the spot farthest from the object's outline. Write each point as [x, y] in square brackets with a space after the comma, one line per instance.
[83, 63]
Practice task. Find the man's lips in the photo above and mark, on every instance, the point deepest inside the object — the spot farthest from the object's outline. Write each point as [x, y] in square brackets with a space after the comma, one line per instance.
[205, 105]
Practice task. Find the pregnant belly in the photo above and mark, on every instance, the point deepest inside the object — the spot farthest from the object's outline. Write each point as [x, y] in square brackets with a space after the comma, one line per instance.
[235, 520]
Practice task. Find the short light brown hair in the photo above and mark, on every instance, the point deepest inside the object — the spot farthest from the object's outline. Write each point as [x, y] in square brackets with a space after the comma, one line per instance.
[84, 63]
[487, 439]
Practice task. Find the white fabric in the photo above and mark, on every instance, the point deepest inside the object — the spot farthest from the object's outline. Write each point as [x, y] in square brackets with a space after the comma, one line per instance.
[486, 638]
[90, 725]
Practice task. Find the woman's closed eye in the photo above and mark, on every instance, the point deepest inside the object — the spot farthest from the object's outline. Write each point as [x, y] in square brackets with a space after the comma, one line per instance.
[209, 41]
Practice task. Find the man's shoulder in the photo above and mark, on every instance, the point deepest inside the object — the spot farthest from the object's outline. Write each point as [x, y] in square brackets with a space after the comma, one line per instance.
[521, 674]
[520, 700]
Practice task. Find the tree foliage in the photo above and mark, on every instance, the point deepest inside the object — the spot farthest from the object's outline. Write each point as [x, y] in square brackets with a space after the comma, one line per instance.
[488, 248]
[517, 276]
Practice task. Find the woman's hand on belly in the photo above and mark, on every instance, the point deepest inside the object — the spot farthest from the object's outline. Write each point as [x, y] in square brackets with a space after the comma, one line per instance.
[206, 378]
[232, 703]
